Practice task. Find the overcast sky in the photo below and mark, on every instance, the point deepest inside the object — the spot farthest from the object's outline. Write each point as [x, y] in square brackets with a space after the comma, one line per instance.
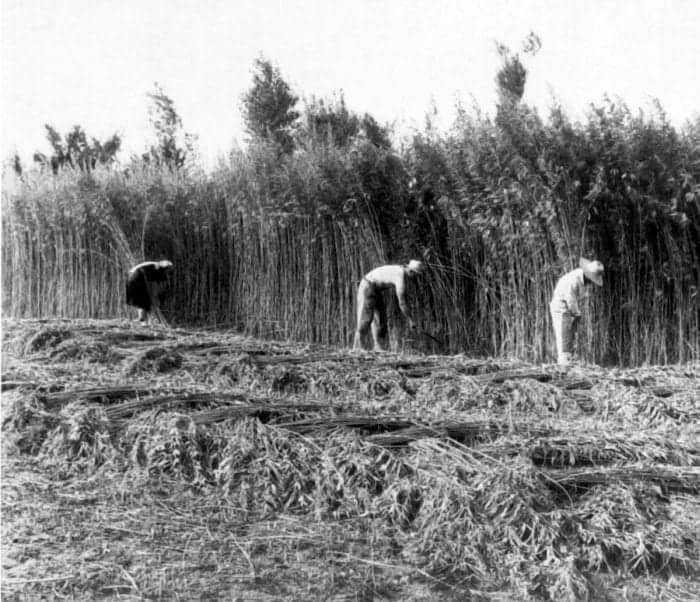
[91, 62]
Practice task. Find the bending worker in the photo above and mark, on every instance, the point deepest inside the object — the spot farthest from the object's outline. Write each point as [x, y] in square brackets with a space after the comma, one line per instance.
[145, 287]
[371, 306]
[565, 310]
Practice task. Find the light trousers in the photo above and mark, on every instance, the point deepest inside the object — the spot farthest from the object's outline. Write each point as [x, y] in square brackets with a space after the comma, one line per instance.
[565, 326]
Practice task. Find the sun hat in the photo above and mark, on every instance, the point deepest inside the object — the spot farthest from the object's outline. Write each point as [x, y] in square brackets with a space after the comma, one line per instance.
[593, 270]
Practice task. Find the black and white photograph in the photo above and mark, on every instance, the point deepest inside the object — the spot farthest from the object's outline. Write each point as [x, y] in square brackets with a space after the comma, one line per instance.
[350, 301]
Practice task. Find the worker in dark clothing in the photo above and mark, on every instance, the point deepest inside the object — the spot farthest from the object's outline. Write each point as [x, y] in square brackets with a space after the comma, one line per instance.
[146, 287]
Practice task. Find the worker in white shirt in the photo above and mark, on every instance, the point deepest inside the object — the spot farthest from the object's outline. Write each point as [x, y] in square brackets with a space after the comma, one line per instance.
[565, 309]
[371, 306]
[146, 286]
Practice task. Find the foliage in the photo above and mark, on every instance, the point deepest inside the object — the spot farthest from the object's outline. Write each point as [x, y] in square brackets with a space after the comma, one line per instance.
[173, 146]
[16, 163]
[511, 77]
[275, 242]
[75, 151]
[329, 122]
[268, 107]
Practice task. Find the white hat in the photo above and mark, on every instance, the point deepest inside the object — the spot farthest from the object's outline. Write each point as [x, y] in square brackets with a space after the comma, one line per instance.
[414, 266]
[593, 270]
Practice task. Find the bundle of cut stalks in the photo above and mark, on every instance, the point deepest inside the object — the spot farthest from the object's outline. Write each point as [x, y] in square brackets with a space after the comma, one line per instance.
[667, 478]
[154, 359]
[46, 339]
[484, 476]
[581, 449]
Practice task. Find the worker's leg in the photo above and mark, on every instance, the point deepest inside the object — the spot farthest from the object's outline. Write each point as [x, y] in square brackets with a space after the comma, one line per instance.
[143, 315]
[557, 324]
[568, 336]
[364, 313]
[155, 303]
[562, 323]
[152, 288]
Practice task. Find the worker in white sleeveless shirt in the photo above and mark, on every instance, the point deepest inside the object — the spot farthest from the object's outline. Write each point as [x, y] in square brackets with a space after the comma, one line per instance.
[564, 307]
[371, 306]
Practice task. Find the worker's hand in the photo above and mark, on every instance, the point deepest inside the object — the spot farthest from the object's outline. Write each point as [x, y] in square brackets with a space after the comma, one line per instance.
[575, 324]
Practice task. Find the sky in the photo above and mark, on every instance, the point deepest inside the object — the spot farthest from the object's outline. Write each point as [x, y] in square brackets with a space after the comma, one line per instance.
[92, 62]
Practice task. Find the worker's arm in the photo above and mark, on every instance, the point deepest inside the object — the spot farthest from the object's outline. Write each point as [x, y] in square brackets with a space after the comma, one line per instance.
[401, 296]
[154, 289]
[572, 301]
[155, 294]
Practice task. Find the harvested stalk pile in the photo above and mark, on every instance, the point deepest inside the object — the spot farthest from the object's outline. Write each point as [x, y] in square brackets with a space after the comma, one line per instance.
[667, 478]
[213, 465]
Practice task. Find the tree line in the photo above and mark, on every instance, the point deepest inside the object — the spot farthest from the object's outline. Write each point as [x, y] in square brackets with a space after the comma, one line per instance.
[274, 240]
